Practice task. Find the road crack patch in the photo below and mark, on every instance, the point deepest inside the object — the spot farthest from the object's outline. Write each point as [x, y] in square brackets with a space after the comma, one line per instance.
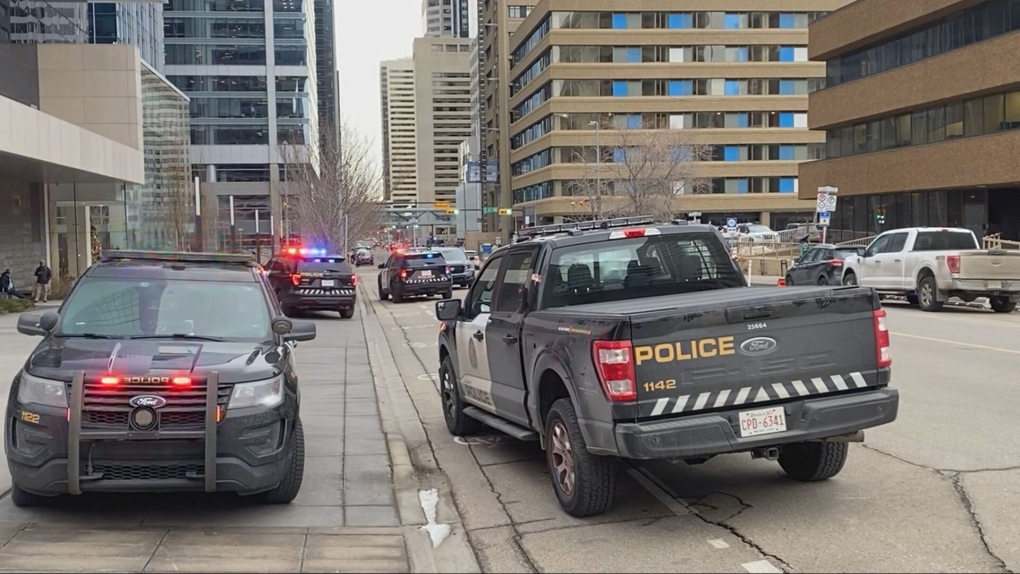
[518, 537]
[961, 491]
[722, 523]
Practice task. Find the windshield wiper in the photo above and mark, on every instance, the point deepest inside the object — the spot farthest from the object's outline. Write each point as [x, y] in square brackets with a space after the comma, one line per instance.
[178, 336]
[87, 336]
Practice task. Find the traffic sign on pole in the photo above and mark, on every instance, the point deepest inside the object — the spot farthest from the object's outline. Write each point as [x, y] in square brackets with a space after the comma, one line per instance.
[824, 218]
[490, 209]
[731, 223]
[826, 199]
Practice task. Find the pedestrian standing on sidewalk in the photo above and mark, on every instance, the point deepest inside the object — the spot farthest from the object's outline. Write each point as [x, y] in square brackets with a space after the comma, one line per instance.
[6, 285]
[42, 283]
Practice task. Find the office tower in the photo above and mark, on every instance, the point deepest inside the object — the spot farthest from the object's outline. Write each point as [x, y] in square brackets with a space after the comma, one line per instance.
[249, 67]
[736, 80]
[400, 166]
[442, 96]
[920, 118]
[327, 81]
[139, 24]
[445, 18]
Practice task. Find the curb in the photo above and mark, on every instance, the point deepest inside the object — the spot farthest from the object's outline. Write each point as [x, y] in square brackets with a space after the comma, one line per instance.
[400, 423]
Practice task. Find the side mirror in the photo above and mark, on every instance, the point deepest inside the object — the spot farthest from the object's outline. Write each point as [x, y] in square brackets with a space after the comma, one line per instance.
[300, 331]
[36, 324]
[382, 266]
[448, 309]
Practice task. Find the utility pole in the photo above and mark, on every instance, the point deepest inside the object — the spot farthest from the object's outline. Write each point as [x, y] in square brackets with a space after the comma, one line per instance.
[598, 167]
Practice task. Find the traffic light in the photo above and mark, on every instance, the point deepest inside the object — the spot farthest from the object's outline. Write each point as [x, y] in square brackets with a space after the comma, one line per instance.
[451, 212]
[506, 212]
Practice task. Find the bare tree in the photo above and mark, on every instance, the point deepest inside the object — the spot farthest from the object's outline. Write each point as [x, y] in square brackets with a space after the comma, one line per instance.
[639, 172]
[334, 188]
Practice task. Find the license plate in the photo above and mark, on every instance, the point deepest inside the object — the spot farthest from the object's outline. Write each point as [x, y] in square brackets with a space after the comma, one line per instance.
[328, 283]
[426, 273]
[763, 421]
[995, 284]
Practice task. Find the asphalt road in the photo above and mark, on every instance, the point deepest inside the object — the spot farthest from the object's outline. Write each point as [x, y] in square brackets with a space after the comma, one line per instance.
[936, 491]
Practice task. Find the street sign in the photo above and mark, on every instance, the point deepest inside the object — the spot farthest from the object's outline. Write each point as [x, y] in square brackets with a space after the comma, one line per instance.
[823, 218]
[731, 223]
[826, 202]
[506, 212]
[442, 204]
[490, 209]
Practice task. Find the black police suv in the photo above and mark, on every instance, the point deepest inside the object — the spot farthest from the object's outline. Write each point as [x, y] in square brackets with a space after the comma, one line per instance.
[159, 372]
[306, 282]
[408, 274]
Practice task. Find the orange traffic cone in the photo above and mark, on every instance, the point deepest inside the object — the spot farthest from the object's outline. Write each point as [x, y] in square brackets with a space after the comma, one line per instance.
[781, 283]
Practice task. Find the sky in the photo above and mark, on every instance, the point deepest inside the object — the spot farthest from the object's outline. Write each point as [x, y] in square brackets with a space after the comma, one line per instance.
[367, 33]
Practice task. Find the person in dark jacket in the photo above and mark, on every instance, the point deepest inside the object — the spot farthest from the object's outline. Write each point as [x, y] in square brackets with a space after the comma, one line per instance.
[42, 283]
[7, 285]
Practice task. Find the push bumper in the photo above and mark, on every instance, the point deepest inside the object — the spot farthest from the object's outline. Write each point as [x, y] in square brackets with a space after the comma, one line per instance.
[463, 279]
[718, 433]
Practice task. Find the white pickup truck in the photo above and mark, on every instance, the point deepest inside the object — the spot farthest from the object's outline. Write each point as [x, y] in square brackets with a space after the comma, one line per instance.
[931, 264]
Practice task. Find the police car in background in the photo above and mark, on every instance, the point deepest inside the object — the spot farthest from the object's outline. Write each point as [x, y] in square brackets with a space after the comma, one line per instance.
[409, 273]
[306, 279]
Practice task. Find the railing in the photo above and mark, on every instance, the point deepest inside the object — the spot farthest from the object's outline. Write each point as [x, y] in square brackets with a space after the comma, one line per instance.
[995, 241]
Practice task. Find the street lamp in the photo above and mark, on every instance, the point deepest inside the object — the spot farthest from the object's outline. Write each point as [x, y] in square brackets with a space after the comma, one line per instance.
[598, 169]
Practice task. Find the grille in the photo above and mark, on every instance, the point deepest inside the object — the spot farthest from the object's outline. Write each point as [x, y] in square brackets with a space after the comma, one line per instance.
[325, 292]
[148, 471]
[108, 408]
[458, 268]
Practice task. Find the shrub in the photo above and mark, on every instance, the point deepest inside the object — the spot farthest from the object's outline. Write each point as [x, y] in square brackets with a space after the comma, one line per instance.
[15, 305]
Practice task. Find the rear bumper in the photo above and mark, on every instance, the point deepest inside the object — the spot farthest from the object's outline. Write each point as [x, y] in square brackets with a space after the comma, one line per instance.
[718, 433]
[981, 288]
[431, 288]
[324, 303]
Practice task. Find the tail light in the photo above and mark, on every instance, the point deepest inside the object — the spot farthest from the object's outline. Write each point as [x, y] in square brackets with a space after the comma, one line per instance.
[448, 270]
[354, 280]
[836, 262]
[882, 340]
[630, 233]
[295, 279]
[614, 361]
[403, 273]
[953, 262]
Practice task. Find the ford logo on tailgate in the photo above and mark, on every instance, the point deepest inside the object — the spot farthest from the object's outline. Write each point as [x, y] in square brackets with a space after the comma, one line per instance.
[758, 346]
[151, 401]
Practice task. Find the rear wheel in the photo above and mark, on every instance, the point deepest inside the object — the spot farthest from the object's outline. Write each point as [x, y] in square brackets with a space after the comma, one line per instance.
[347, 313]
[789, 281]
[813, 461]
[823, 280]
[383, 295]
[458, 423]
[398, 294]
[927, 294]
[584, 483]
[448, 294]
[1002, 304]
[24, 499]
[289, 487]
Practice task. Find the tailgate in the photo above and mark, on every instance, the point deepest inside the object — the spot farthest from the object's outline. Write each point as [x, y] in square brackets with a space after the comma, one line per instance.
[729, 349]
[991, 264]
[429, 272]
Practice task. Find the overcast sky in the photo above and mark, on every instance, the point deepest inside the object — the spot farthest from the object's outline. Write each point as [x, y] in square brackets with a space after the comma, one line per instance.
[367, 33]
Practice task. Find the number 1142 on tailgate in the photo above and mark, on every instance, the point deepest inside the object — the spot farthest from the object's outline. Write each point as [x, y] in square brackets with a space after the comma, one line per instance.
[763, 421]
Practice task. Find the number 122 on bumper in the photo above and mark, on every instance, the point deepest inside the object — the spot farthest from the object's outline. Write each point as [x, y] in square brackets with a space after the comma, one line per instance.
[763, 421]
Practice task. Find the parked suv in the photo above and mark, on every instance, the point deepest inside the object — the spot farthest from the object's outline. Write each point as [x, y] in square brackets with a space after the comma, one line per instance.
[407, 274]
[306, 281]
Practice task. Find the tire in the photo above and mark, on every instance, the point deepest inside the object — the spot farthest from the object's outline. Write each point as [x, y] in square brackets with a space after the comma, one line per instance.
[458, 423]
[289, 487]
[813, 461]
[289, 311]
[448, 294]
[347, 313]
[849, 279]
[593, 485]
[1002, 304]
[823, 280]
[912, 298]
[24, 499]
[927, 294]
[383, 295]
[789, 281]
[398, 295]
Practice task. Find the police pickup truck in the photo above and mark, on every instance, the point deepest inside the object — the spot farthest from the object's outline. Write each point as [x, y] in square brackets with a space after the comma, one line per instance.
[625, 339]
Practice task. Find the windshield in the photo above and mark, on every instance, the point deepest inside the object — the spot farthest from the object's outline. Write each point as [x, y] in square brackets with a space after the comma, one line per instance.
[424, 260]
[641, 267]
[945, 241]
[324, 265]
[136, 308]
[453, 254]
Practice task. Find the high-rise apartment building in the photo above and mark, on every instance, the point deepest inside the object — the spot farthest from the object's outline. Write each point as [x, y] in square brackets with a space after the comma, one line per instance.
[328, 79]
[445, 18]
[400, 166]
[735, 79]
[442, 88]
[249, 67]
[921, 116]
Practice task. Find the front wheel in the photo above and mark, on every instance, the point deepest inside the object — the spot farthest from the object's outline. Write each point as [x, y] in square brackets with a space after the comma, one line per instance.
[789, 281]
[290, 485]
[25, 499]
[458, 423]
[813, 461]
[1002, 304]
[927, 294]
[850, 279]
[584, 483]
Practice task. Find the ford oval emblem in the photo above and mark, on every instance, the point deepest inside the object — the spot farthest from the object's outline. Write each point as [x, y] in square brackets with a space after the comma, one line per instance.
[151, 401]
[758, 346]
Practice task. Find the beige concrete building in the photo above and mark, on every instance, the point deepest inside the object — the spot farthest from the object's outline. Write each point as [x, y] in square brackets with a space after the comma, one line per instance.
[733, 75]
[442, 96]
[400, 165]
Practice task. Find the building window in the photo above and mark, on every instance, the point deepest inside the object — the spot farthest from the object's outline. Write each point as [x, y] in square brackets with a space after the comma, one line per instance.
[519, 11]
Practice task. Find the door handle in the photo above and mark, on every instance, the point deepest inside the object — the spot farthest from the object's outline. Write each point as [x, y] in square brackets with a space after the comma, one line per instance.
[896, 260]
[478, 335]
[509, 339]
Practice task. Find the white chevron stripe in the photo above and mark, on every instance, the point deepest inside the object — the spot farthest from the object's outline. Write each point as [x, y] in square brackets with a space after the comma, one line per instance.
[680, 404]
[859, 380]
[762, 396]
[800, 388]
[820, 385]
[702, 399]
[781, 390]
[660, 405]
[742, 396]
[839, 382]
[722, 399]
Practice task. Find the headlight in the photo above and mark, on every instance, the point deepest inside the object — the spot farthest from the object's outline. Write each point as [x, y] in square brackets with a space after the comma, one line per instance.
[33, 390]
[268, 393]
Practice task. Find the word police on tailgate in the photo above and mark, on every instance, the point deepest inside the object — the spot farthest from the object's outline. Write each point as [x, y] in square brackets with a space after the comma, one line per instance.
[685, 350]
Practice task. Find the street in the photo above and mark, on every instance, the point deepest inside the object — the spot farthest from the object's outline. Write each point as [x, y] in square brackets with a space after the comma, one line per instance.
[933, 492]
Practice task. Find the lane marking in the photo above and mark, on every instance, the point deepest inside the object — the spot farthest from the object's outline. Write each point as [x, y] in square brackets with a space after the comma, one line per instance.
[760, 567]
[718, 544]
[668, 500]
[948, 342]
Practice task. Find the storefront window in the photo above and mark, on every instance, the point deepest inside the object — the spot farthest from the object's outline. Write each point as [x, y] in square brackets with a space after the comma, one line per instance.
[938, 208]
